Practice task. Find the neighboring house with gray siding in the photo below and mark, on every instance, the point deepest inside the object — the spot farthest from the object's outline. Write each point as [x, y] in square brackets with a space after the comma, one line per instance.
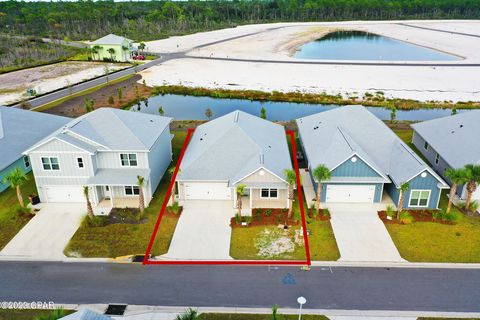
[450, 142]
[105, 150]
[235, 149]
[366, 159]
[19, 130]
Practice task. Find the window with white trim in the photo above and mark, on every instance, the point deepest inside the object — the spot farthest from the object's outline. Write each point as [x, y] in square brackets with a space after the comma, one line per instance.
[80, 163]
[425, 145]
[419, 198]
[437, 158]
[26, 162]
[268, 193]
[50, 163]
[128, 159]
[132, 190]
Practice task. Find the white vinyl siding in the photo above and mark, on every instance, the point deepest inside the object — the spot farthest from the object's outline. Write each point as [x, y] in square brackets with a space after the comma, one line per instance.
[112, 160]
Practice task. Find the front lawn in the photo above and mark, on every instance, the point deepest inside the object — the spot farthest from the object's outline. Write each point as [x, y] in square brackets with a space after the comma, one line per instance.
[29, 314]
[10, 220]
[436, 242]
[121, 239]
[246, 316]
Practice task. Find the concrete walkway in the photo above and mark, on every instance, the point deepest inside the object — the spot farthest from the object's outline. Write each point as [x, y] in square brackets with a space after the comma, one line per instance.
[47, 234]
[308, 189]
[361, 235]
[203, 231]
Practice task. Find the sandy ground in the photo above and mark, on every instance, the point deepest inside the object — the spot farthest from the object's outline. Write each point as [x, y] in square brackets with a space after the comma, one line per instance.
[279, 42]
[48, 78]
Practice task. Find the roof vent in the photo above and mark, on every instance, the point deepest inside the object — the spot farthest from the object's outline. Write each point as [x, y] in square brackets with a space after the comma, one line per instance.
[262, 159]
[315, 128]
[453, 131]
[461, 126]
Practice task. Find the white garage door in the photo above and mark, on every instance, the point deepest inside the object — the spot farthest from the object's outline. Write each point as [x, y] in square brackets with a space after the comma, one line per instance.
[207, 191]
[64, 194]
[351, 193]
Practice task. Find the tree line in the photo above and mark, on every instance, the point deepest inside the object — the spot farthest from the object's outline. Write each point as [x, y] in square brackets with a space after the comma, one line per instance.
[147, 20]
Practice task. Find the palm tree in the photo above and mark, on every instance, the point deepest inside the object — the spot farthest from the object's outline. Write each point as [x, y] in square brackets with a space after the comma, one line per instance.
[275, 312]
[86, 191]
[141, 46]
[95, 50]
[16, 178]
[472, 179]
[291, 179]
[457, 177]
[141, 197]
[403, 188]
[112, 52]
[239, 191]
[124, 50]
[320, 173]
[189, 314]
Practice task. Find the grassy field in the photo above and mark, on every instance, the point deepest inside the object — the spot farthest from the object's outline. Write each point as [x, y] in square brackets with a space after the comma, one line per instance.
[246, 316]
[124, 239]
[29, 314]
[10, 221]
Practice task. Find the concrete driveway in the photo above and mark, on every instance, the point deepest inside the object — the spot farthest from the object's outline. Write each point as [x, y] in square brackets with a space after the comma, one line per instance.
[46, 235]
[361, 235]
[203, 231]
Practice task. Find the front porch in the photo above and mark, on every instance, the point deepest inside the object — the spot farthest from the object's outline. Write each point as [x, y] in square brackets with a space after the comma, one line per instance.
[252, 198]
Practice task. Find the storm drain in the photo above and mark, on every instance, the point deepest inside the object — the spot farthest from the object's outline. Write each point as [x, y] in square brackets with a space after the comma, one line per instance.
[116, 309]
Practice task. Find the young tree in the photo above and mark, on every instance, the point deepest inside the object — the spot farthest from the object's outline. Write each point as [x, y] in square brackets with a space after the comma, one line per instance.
[86, 191]
[454, 111]
[275, 312]
[291, 179]
[119, 94]
[161, 111]
[16, 178]
[320, 173]
[457, 177]
[240, 188]
[208, 113]
[111, 51]
[141, 197]
[141, 46]
[393, 114]
[88, 104]
[403, 188]
[472, 179]
[263, 113]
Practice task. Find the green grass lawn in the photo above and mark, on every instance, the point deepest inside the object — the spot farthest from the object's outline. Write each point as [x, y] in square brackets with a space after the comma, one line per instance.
[406, 136]
[28, 314]
[246, 316]
[321, 240]
[10, 221]
[124, 239]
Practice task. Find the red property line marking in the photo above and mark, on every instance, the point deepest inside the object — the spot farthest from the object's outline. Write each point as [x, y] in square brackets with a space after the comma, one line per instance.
[146, 261]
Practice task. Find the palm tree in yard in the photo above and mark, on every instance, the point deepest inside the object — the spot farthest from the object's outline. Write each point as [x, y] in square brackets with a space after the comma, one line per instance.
[86, 191]
[320, 173]
[240, 188]
[472, 179]
[291, 179]
[95, 49]
[189, 314]
[457, 177]
[141, 197]
[403, 188]
[16, 178]
[112, 52]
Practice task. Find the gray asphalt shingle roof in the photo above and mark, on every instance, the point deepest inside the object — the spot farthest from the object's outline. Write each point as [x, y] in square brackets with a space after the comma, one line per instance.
[113, 129]
[20, 129]
[334, 136]
[233, 146]
[111, 39]
[455, 138]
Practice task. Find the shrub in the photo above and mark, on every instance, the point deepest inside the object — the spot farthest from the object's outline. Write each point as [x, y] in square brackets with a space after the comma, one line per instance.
[174, 208]
[95, 221]
[405, 217]
[442, 215]
[268, 212]
[312, 210]
[238, 218]
[326, 212]
[111, 101]
[474, 205]
[248, 219]
[390, 211]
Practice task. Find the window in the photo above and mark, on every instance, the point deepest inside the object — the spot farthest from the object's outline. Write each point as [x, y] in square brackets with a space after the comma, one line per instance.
[437, 158]
[269, 193]
[132, 190]
[419, 198]
[128, 159]
[50, 163]
[425, 145]
[26, 162]
[80, 163]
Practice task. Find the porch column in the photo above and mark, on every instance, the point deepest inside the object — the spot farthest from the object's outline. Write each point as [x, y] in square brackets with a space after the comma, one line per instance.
[111, 195]
[251, 196]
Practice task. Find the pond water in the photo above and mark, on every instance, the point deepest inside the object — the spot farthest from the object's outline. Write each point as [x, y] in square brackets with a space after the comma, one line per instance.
[193, 108]
[358, 45]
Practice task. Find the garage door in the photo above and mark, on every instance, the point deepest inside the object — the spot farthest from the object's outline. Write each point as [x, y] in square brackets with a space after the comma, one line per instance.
[207, 191]
[350, 193]
[64, 194]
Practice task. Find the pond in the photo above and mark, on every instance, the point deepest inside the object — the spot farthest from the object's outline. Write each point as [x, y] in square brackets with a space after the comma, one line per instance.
[193, 108]
[358, 45]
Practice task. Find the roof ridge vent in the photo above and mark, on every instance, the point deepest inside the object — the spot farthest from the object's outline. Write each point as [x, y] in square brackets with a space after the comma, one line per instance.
[262, 158]
[235, 119]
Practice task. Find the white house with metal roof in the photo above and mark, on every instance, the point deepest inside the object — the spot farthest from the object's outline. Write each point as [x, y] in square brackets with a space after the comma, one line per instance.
[105, 150]
[112, 47]
[235, 149]
[19, 130]
[450, 142]
[366, 159]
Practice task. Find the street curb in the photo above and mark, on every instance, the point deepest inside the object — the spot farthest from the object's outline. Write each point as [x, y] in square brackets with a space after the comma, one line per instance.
[415, 265]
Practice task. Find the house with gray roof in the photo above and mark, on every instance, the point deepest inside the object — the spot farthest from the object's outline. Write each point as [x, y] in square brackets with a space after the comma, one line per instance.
[235, 149]
[366, 159]
[19, 130]
[450, 142]
[105, 150]
[112, 47]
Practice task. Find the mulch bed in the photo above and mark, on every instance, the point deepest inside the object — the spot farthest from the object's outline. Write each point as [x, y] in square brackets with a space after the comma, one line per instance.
[321, 217]
[125, 215]
[266, 217]
[169, 213]
[418, 216]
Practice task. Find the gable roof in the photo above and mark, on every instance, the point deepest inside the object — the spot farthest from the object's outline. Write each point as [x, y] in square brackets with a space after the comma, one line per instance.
[455, 138]
[111, 39]
[333, 136]
[20, 129]
[111, 129]
[233, 146]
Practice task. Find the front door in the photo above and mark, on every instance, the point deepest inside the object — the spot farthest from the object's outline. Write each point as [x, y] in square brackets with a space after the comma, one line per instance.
[107, 192]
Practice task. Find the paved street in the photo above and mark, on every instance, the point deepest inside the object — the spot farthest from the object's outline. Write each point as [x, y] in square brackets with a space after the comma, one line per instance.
[242, 286]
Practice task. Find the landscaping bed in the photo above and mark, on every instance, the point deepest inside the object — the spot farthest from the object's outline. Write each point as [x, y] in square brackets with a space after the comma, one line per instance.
[265, 217]
[417, 216]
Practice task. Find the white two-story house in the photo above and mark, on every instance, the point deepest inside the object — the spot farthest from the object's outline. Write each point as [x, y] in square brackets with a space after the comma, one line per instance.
[105, 150]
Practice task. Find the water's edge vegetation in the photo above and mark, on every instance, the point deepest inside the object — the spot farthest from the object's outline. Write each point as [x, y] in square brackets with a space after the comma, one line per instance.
[376, 99]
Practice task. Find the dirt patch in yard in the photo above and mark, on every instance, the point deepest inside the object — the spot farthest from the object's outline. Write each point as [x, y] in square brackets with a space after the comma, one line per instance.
[131, 91]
